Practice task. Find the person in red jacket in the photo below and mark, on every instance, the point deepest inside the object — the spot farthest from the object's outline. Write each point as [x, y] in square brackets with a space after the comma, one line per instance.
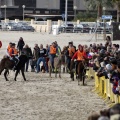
[0, 44]
[80, 55]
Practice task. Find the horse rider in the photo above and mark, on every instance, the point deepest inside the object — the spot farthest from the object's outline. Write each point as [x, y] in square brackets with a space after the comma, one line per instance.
[52, 53]
[13, 54]
[80, 55]
[58, 49]
[70, 52]
[42, 54]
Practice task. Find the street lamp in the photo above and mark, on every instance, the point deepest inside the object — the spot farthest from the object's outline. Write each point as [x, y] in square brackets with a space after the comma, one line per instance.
[5, 6]
[75, 8]
[104, 8]
[23, 11]
[104, 36]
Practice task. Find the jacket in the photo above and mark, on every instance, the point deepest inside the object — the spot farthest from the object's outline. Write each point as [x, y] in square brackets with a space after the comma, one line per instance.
[79, 55]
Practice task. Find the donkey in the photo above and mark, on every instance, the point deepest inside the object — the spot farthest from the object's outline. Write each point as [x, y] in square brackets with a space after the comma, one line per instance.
[58, 61]
[8, 64]
[81, 71]
[65, 50]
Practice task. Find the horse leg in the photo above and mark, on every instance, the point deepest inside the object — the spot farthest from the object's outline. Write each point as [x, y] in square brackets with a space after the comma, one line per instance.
[64, 69]
[56, 72]
[16, 74]
[5, 74]
[1, 70]
[22, 71]
[72, 75]
[79, 78]
[50, 70]
[84, 77]
[59, 72]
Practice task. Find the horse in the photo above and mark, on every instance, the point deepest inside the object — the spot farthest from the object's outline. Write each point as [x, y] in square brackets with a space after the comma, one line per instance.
[64, 51]
[81, 71]
[58, 61]
[8, 64]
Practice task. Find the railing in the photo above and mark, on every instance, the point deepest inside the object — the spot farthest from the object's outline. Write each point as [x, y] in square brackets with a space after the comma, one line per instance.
[103, 88]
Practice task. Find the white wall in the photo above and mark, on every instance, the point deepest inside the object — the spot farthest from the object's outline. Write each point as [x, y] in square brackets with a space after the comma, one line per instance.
[80, 4]
[10, 2]
[50, 4]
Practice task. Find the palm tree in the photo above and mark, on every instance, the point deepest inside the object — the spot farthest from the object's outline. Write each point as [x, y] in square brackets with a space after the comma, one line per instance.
[98, 5]
[117, 3]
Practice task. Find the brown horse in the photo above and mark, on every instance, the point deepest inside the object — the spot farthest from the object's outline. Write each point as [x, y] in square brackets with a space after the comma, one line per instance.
[81, 71]
[58, 61]
[7, 64]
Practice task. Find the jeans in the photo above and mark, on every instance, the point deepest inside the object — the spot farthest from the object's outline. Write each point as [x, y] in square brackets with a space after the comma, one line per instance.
[68, 62]
[51, 57]
[41, 59]
[26, 64]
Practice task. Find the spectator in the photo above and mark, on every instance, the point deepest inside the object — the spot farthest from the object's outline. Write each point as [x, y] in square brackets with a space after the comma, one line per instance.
[20, 44]
[42, 54]
[28, 52]
[52, 54]
[33, 62]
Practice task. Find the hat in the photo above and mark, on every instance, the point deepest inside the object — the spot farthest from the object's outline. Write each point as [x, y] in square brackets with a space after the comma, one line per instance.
[109, 67]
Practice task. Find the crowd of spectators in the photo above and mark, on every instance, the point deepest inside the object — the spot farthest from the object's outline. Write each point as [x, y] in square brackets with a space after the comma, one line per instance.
[106, 62]
[112, 113]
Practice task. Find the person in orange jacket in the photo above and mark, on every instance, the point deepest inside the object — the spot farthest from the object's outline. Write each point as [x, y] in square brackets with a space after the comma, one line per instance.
[13, 54]
[52, 50]
[70, 52]
[80, 55]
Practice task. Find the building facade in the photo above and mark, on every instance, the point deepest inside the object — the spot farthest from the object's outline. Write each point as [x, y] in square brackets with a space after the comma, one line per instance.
[42, 7]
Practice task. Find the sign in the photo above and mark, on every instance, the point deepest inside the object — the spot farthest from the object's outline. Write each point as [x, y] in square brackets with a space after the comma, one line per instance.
[106, 17]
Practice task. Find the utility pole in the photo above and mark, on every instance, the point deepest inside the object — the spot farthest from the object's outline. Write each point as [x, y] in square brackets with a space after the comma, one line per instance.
[66, 10]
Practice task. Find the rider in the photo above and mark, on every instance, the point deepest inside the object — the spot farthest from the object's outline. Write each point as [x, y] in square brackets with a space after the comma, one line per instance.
[13, 54]
[58, 49]
[42, 54]
[80, 55]
[70, 53]
[52, 53]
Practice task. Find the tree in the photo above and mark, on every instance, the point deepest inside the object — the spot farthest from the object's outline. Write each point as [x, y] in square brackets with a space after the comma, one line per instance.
[98, 5]
[117, 3]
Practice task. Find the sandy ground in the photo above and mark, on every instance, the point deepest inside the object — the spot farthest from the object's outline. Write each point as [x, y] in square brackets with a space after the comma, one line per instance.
[41, 97]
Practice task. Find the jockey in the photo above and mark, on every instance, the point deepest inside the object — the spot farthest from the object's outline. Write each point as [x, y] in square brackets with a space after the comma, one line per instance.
[42, 54]
[80, 55]
[71, 50]
[58, 49]
[52, 53]
[13, 53]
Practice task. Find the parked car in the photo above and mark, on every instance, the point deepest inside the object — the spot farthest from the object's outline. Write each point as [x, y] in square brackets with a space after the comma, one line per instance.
[25, 27]
[84, 28]
[66, 28]
[99, 28]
